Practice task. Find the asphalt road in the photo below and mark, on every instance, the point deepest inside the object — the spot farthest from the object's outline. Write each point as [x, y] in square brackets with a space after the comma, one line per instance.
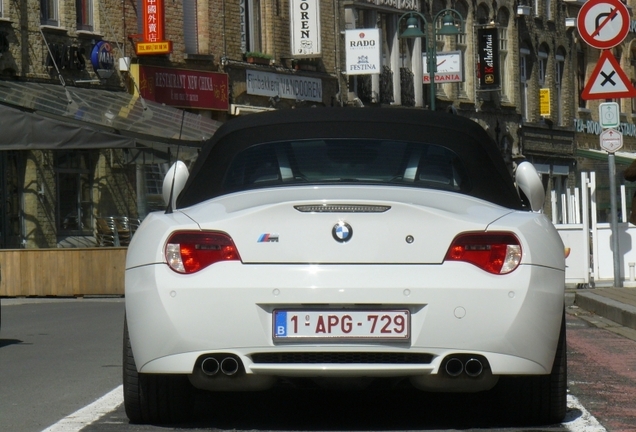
[58, 356]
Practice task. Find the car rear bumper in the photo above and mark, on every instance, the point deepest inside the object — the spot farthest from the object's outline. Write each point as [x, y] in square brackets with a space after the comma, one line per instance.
[513, 321]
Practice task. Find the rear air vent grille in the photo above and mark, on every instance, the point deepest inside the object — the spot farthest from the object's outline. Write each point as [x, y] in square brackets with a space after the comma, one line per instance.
[341, 358]
[341, 208]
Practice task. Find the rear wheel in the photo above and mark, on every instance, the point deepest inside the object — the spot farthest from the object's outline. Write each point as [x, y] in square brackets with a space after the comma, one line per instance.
[154, 398]
[540, 399]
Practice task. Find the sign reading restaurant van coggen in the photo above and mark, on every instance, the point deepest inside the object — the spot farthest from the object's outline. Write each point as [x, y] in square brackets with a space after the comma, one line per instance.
[488, 52]
[184, 88]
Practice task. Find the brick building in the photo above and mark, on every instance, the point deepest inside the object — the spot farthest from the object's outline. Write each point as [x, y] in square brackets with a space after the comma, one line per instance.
[118, 93]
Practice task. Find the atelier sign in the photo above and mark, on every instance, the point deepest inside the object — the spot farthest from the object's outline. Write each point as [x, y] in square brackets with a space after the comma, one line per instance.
[66, 57]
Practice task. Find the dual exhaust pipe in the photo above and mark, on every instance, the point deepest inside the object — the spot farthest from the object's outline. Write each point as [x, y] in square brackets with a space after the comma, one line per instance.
[455, 366]
[228, 366]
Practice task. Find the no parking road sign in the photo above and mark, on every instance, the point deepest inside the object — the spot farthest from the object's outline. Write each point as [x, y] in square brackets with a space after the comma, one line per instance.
[603, 24]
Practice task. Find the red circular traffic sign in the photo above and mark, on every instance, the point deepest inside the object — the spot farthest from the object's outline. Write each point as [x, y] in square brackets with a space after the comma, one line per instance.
[603, 24]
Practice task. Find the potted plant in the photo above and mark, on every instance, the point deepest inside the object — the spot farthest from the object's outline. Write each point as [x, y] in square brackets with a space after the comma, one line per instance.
[257, 57]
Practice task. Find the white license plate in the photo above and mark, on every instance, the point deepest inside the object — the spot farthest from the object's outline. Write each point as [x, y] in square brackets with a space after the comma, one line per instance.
[346, 324]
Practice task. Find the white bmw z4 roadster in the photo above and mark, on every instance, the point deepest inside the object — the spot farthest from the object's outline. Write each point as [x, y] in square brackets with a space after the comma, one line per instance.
[343, 246]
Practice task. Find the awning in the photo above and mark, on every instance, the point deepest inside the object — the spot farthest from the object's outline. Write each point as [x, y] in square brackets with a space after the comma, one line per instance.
[48, 116]
[21, 130]
[624, 158]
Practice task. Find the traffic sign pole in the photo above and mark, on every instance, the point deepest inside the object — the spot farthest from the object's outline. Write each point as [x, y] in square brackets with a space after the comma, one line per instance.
[618, 281]
[603, 24]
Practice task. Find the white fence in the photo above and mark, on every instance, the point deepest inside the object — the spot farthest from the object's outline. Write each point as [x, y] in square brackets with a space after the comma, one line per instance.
[591, 258]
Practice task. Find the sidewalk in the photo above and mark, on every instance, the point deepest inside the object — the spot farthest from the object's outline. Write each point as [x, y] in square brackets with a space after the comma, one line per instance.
[614, 304]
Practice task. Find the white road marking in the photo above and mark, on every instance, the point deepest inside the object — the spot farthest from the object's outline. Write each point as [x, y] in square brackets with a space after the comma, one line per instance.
[577, 420]
[90, 413]
[585, 422]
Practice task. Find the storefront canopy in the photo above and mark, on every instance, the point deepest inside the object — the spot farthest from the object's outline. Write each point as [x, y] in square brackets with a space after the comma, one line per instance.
[47, 116]
[624, 158]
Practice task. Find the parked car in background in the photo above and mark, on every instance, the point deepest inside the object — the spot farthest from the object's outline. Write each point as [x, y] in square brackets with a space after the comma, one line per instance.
[335, 245]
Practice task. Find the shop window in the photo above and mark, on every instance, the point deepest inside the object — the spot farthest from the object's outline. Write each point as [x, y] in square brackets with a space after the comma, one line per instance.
[84, 12]
[154, 175]
[463, 89]
[74, 190]
[581, 63]
[49, 12]
[543, 66]
[504, 67]
[12, 167]
[190, 26]
[524, 77]
[251, 24]
[558, 79]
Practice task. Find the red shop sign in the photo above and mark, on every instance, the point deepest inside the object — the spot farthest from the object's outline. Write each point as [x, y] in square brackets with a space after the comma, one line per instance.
[184, 88]
[152, 16]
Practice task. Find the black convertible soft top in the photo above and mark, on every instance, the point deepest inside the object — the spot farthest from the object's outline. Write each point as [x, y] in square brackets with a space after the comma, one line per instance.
[490, 179]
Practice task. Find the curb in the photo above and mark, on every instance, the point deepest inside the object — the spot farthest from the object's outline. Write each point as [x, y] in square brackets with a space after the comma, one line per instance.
[610, 309]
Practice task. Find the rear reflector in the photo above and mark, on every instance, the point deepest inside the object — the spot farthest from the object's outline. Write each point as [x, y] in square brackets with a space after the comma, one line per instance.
[190, 251]
[496, 252]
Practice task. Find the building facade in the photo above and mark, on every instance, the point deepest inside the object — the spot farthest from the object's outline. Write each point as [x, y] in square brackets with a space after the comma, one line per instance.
[138, 77]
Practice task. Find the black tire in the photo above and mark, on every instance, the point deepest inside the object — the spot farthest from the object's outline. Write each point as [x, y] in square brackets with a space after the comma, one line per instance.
[154, 398]
[540, 399]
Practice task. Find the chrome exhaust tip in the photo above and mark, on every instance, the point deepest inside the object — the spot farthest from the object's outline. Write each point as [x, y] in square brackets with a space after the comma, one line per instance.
[473, 367]
[229, 366]
[454, 367]
[210, 366]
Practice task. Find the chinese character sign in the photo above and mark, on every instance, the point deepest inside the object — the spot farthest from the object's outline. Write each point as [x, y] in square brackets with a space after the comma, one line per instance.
[152, 15]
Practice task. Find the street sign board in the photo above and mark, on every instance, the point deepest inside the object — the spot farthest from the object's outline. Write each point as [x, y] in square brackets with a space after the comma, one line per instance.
[603, 24]
[608, 80]
[609, 115]
[611, 140]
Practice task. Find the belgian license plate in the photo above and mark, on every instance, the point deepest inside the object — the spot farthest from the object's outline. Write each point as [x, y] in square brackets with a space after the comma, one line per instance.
[292, 325]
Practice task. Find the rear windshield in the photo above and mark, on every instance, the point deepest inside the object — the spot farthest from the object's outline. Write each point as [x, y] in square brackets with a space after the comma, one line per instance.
[332, 161]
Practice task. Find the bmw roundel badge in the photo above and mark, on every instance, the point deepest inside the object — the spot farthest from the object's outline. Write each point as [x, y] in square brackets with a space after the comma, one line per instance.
[342, 232]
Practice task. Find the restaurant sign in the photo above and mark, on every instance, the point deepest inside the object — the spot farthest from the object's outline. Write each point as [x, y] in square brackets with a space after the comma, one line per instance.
[184, 88]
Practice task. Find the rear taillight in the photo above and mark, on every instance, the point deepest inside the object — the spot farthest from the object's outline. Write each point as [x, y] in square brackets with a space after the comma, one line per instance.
[497, 252]
[190, 251]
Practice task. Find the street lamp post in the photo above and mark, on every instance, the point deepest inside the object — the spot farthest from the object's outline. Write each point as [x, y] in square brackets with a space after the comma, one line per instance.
[449, 28]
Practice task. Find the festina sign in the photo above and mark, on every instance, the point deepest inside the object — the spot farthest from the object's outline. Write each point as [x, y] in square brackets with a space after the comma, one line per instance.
[362, 47]
[488, 51]
[305, 28]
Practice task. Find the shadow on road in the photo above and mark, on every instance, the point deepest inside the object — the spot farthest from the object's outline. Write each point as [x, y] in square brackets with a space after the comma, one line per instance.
[7, 342]
[317, 410]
